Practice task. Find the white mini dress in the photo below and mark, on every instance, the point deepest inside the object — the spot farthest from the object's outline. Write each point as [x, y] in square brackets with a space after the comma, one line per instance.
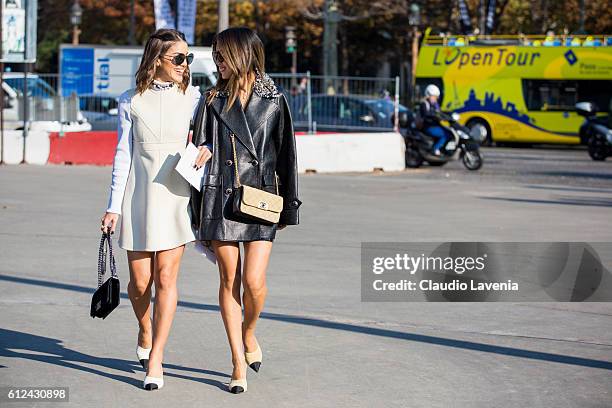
[146, 190]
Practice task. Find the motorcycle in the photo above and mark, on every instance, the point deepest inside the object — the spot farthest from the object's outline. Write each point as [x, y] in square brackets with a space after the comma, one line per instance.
[464, 144]
[595, 131]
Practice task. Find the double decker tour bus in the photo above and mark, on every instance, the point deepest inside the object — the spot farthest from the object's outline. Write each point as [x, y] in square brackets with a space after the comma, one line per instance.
[518, 89]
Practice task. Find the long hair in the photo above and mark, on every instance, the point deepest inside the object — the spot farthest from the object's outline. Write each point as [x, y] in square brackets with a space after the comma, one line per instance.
[243, 53]
[157, 45]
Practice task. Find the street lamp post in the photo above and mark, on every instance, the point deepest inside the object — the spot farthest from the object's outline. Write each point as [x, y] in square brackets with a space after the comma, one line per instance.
[223, 15]
[414, 20]
[291, 48]
[132, 36]
[332, 17]
[76, 12]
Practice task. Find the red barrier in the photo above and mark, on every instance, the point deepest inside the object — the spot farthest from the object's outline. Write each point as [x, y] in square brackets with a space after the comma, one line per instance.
[97, 147]
[83, 148]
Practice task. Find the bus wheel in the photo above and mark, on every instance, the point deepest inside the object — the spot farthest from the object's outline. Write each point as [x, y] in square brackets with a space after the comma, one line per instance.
[483, 128]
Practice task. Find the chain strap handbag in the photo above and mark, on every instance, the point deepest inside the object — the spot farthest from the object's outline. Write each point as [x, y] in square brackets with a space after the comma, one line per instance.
[254, 203]
[106, 297]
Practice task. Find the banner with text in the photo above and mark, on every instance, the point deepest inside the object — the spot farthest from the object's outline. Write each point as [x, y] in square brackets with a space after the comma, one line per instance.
[186, 19]
[164, 16]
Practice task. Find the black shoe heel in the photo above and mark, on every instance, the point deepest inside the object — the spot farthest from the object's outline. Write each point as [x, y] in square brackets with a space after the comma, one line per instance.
[144, 362]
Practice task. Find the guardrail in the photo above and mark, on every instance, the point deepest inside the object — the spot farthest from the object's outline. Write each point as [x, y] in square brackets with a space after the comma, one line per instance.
[317, 103]
[54, 108]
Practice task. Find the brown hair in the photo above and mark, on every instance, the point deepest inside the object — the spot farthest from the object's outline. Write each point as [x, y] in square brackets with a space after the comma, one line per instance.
[157, 45]
[243, 53]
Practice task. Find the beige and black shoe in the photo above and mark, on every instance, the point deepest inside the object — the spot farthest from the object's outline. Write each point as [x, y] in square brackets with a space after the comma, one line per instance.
[238, 386]
[254, 358]
[153, 383]
[143, 356]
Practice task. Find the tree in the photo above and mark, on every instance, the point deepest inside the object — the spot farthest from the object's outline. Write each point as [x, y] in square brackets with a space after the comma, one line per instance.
[377, 30]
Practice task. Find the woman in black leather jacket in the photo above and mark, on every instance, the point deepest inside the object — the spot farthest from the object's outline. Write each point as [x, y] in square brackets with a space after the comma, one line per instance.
[245, 103]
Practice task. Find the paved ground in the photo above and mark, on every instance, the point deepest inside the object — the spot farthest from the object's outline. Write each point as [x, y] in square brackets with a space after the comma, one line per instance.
[322, 346]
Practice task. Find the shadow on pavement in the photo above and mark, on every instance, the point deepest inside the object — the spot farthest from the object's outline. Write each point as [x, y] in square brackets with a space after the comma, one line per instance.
[576, 189]
[28, 346]
[326, 324]
[576, 174]
[566, 200]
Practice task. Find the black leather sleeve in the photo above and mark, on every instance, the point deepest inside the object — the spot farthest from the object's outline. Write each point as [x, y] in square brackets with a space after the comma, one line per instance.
[199, 137]
[286, 166]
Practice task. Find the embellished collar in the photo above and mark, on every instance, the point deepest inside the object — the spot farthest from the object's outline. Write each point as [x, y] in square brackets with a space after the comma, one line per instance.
[161, 85]
[263, 86]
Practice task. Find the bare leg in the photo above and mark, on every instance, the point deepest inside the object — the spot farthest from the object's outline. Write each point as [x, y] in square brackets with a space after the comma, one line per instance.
[228, 259]
[139, 292]
[256, 257]
[166, 271]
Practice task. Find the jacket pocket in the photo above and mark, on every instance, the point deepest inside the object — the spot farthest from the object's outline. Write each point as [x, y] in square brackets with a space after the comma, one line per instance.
[212, 196]
[268, 183]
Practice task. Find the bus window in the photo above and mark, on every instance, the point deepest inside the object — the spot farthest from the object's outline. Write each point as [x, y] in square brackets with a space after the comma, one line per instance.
[549, 95]
[562, 95]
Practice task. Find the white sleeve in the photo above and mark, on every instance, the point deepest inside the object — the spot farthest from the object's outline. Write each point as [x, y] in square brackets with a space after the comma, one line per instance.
[196, 100]
[123, 155]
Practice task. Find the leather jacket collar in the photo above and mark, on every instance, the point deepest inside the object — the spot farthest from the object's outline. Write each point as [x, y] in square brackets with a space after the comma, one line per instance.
[244, 123]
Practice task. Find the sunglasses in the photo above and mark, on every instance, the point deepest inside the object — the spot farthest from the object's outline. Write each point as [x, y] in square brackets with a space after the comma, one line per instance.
[218, 57]
[178, 59]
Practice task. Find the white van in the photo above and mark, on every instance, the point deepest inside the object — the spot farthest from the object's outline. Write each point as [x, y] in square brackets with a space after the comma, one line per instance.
[104, 70]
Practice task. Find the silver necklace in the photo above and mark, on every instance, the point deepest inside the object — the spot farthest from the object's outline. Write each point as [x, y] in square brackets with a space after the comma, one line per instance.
[161, 86]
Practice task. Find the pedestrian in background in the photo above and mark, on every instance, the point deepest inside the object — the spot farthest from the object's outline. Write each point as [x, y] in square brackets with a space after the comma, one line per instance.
[154, 121]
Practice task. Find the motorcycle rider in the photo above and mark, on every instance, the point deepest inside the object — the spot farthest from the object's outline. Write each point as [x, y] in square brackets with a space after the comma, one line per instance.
[429, 110]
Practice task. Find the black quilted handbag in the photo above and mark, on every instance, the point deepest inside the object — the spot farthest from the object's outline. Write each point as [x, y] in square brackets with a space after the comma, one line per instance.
[106, 297]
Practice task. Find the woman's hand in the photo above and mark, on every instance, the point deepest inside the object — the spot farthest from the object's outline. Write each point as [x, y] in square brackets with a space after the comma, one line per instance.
[203, 157]
[109, 221]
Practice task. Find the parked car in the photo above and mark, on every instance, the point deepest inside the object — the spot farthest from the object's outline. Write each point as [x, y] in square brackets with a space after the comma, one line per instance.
[44, 94]
[100, 110]
[346, 113]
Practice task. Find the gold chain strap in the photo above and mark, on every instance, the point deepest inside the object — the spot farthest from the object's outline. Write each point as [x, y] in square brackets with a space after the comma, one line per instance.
[235, 160]
[236, 166]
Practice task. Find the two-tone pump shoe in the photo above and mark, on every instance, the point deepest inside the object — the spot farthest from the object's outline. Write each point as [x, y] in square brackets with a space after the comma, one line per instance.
[153, 383]
[238, 385]
[254, 358]
[143, 356]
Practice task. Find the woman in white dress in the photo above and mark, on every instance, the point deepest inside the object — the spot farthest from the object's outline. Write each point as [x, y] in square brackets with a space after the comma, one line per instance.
[153, 199]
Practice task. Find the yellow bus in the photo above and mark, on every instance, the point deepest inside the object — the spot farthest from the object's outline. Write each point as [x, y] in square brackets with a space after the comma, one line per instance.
[518, 88]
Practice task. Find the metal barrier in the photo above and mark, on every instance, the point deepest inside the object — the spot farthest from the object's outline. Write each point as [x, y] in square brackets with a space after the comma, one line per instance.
[341, 103]
[317, 103]
[55, 108]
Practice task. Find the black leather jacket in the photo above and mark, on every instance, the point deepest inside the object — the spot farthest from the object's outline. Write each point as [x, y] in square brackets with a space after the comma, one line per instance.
[265, 144]
[429, 114]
